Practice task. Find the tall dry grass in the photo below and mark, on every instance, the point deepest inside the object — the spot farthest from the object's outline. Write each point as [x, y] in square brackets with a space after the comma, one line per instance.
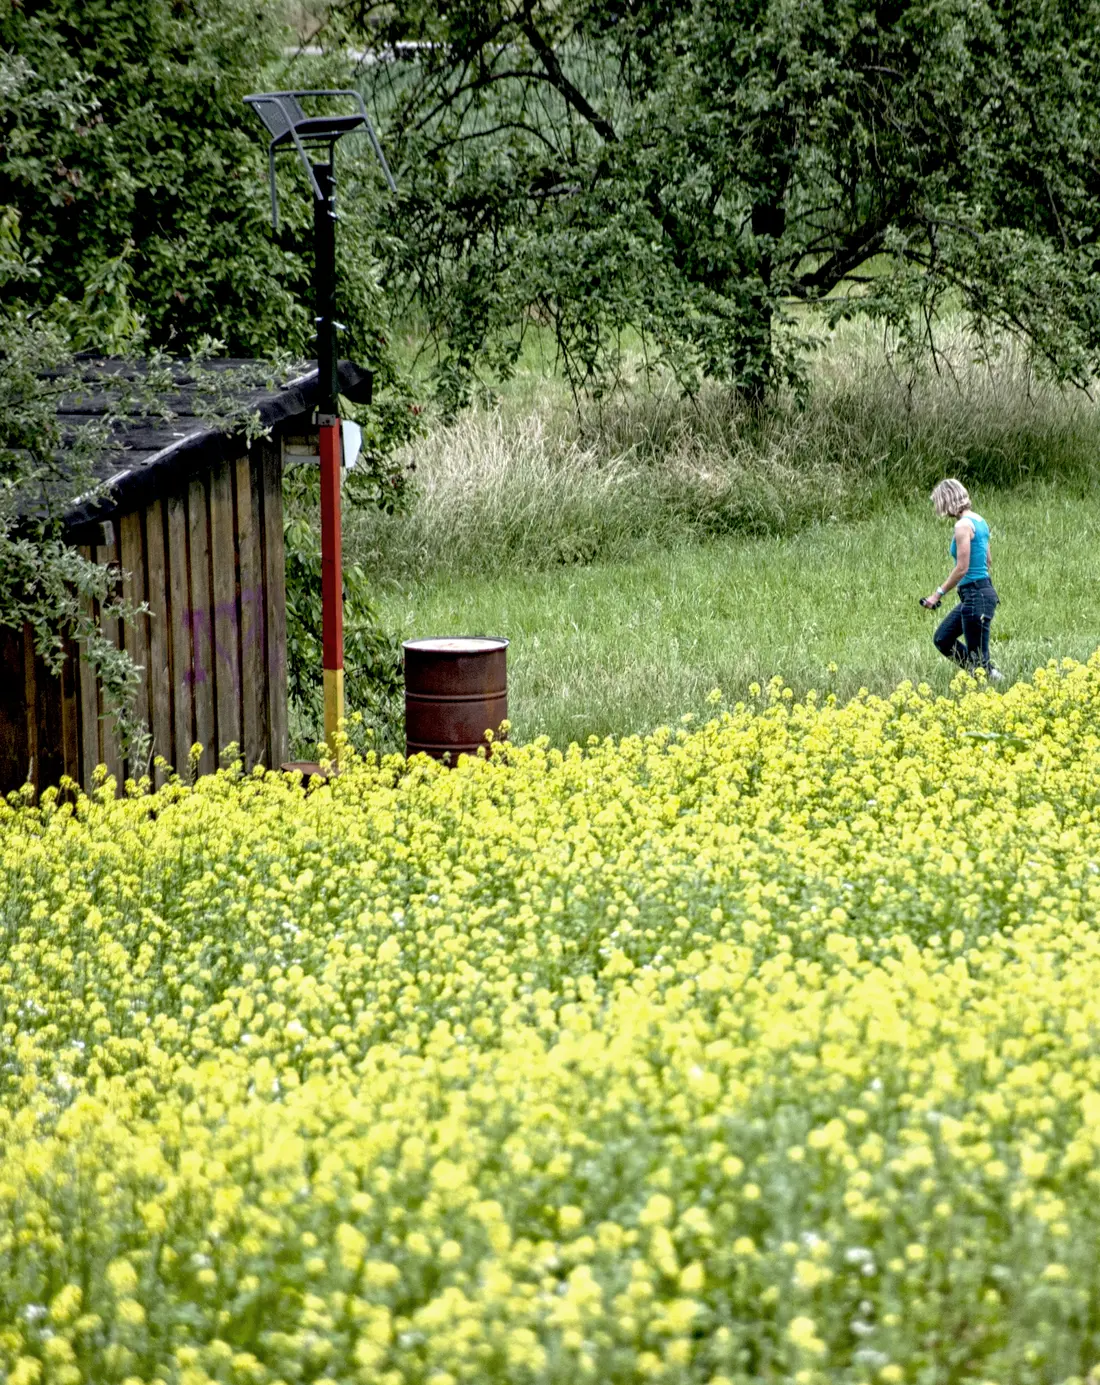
[531, 488]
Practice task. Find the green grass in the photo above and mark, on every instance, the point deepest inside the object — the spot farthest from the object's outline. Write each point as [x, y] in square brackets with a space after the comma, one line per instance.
[617, 647]
[641, 550]
[535, 483]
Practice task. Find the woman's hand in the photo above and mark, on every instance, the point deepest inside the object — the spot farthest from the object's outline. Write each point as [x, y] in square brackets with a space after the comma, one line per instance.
[931, 602]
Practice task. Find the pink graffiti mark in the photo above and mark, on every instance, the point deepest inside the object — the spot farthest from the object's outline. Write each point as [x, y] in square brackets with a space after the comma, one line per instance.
[249, 615]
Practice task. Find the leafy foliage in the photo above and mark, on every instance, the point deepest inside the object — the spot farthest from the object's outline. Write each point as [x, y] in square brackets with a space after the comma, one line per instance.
[134, 216]
[156, 162]
[693, 171]
[129, 144]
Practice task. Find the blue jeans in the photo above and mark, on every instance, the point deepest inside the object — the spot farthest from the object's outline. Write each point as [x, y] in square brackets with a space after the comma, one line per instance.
[963, 634]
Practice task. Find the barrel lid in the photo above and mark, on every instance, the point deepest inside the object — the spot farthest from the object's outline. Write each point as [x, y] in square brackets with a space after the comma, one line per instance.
[461, 644]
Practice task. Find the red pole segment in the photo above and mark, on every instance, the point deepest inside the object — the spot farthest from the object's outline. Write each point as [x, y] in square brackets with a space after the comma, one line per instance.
[332, 582]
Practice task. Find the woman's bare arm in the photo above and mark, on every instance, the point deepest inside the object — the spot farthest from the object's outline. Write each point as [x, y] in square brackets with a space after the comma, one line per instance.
[964, 532]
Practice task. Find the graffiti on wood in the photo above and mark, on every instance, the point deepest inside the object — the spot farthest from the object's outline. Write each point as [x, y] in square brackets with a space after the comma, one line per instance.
[246, 621]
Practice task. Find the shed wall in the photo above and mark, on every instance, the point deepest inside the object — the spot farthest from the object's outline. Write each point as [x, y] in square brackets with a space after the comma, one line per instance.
[208, 560]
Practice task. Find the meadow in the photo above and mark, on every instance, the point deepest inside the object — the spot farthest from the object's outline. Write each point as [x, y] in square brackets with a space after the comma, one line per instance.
[642, 550]
[617, 648]
[760, 1045]
[763, 1049]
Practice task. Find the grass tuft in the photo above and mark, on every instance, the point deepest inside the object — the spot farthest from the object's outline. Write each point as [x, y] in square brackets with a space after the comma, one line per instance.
[537, 487]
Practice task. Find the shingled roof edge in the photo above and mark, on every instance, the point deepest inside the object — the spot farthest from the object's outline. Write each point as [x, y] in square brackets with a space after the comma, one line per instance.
[139, 485]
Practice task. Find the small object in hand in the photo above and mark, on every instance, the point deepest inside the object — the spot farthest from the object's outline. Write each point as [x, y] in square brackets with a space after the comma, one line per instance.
[929, 605]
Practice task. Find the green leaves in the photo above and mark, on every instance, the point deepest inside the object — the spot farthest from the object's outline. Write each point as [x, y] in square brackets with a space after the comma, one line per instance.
[372, 659]
[693, 171]
[126, 143]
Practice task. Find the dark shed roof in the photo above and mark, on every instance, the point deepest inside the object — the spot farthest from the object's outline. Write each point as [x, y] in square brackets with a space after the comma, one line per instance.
[152, 455]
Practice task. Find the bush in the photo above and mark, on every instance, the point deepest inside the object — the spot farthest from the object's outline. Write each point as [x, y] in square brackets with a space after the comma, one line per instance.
[762, 1049]
[157, 161]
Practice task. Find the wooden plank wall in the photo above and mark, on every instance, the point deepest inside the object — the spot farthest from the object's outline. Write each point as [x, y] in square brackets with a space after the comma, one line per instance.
[41, 715]
[17, 744]
[208, 559]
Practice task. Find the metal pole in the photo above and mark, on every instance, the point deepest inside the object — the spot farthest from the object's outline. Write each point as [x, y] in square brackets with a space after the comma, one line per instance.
[324, 288]
[332, 596]
[328, 424]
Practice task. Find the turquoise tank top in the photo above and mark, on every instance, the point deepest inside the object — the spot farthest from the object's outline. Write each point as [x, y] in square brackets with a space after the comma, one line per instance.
[979, 551]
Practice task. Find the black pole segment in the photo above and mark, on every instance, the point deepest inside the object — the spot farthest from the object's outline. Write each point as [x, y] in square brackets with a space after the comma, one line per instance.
[324, 288]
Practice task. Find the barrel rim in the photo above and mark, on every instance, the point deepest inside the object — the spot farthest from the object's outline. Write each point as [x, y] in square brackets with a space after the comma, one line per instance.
[437, 644]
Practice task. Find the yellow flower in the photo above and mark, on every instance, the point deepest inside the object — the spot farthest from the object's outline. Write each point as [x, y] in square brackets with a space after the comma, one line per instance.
[66, 1303]
[802, 1334]
[692, 1278]
[554, 1052]
[130, 1312]
[657, 1211]
[351, 1246]
[570, 1218]
[122, 1276]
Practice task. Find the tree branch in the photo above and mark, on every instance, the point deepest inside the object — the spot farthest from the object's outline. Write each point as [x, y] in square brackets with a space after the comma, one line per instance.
[859, 245]
[572, 95]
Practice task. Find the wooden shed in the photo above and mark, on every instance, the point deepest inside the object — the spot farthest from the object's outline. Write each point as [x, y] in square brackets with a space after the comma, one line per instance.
[191, 518]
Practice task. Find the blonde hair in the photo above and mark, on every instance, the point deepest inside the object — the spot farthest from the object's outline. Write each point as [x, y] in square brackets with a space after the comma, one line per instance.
[950, 497]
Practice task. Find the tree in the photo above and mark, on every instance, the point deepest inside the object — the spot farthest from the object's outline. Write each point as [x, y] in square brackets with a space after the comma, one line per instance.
[134, 218]
[694, 171]
[124, 141]
[154, 164]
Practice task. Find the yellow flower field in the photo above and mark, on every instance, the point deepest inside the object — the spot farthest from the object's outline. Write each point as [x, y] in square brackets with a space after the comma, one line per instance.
[761, 1050]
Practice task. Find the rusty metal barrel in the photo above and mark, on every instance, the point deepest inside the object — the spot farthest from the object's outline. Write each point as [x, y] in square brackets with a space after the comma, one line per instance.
[455, 690]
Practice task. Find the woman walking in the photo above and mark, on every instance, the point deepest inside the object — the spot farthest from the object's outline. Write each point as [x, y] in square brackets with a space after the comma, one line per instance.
[963, 635]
